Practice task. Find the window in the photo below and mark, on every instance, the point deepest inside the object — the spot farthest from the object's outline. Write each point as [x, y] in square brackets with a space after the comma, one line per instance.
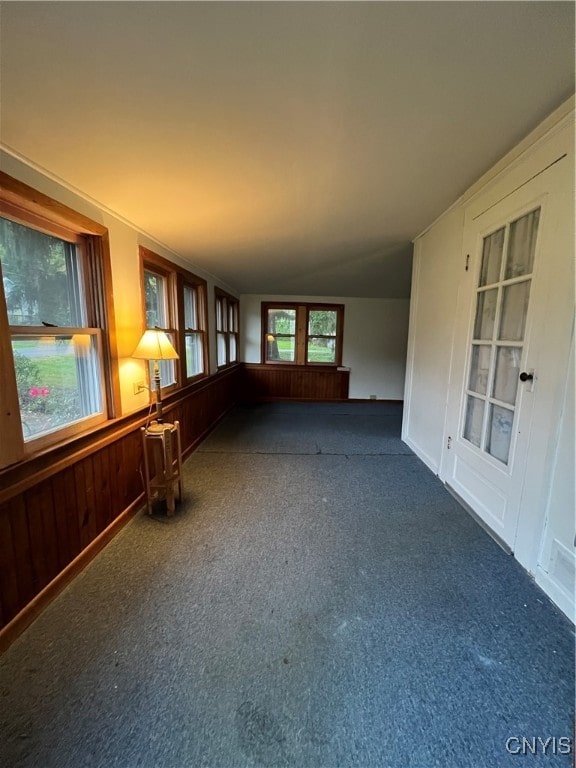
[193, 329]
[302, 334]
[175, 301]
[158, 315]
[227, 328]
[54, 309]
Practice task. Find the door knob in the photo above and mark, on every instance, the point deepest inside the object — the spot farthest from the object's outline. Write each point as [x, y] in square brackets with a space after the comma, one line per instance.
[526, 376]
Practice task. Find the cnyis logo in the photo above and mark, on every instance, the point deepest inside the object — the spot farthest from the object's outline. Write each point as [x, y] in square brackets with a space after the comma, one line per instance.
[538, 745]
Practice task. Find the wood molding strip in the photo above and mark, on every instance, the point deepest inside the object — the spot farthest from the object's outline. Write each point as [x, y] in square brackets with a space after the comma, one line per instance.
[17, 193]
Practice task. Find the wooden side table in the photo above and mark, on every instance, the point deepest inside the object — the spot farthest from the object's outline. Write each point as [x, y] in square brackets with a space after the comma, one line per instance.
[162, 463]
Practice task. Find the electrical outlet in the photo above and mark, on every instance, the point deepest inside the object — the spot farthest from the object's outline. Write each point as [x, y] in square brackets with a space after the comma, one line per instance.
[139, 386]
[372, 397]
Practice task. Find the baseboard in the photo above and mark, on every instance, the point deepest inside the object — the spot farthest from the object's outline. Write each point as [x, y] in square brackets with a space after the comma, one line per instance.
[353, 400]
[34, 608]
[374, 400]
[269, 399]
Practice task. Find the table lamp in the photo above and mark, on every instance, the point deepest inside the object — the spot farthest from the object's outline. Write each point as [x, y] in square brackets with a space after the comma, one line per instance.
[155, 345]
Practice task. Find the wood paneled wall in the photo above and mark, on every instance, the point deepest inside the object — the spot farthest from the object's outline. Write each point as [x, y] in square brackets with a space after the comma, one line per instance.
[58, 510]
[294, 382]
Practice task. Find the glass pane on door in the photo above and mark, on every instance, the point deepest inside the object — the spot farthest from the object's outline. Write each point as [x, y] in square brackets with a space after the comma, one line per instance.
[492, 257]
[485, 314]
[479, 368]
[474, 418]
[499, 432]
[514, 309]
[522, 246]
[507, 373]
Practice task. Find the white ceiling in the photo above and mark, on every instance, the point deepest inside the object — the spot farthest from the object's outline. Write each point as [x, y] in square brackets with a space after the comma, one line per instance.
[285, 147]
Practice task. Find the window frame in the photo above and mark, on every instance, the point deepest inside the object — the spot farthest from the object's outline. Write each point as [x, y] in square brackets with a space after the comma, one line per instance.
[176, 279]
[27, 206]
[201, 322]
[227, 314]
[301, 335]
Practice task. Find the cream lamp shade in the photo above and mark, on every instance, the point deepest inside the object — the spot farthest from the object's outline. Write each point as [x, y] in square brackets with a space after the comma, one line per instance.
[155, 345]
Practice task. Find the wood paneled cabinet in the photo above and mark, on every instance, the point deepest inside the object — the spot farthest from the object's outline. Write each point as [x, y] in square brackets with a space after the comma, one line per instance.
[162, 464]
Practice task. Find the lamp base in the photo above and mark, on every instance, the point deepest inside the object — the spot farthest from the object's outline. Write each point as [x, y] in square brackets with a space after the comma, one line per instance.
[159, 417]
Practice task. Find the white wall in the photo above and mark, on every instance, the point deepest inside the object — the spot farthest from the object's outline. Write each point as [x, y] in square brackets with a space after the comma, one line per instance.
[435, 273]
[374, 344]
[125, 262]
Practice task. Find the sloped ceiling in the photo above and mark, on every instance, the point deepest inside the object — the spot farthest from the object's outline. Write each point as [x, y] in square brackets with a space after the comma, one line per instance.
[285, 147]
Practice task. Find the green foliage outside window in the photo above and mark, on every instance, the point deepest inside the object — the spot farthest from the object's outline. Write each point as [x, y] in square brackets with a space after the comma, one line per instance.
[38, 272]
[322, 323]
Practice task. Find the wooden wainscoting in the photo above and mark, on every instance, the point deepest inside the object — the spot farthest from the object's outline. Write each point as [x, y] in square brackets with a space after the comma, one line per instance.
[294, 382]
[58, 510]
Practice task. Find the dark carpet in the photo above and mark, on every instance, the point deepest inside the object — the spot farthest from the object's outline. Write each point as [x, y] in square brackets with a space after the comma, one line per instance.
[318, 601]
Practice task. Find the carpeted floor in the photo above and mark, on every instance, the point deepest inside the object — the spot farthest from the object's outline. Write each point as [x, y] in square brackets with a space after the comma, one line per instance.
[318, 601]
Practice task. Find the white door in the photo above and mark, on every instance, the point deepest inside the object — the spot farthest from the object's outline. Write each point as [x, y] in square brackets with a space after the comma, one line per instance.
[510, 248]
